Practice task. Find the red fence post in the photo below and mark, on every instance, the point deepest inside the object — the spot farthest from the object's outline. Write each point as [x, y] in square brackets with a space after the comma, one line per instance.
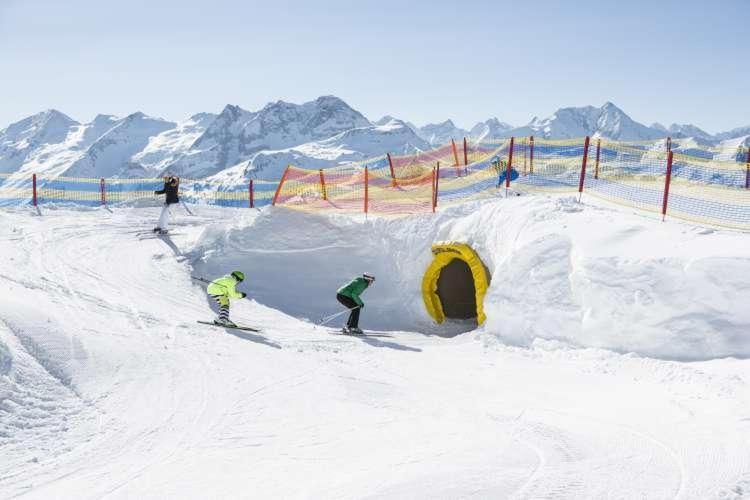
[466, 154]
[433, 190]
[278, 188]
[583, 167]
[367, 188]
[33, 187]
[103, 191]
[510, 164]
[669, 144]
[436, 184]
[598, 150]
[323, 185]
[393, 175]
[531, 154]
[666, 186]
[455, 152]
[251, 194]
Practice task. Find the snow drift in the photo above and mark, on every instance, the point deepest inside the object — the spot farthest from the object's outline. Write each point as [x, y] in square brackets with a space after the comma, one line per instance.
[559, 270]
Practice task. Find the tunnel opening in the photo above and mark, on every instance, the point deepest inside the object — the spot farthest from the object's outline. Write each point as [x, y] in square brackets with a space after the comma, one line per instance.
[455, 283]
[456, 290]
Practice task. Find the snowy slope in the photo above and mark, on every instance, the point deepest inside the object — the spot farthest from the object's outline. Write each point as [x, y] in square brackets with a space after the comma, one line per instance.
[108, 388]
[164, 148]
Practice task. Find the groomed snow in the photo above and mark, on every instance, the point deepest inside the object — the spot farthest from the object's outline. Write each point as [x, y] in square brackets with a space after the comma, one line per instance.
[108, 387]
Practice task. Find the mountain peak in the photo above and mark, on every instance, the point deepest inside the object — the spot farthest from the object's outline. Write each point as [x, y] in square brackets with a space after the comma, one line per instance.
[331, 100]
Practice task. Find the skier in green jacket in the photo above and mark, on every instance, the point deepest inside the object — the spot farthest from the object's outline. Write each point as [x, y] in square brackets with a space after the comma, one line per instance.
[222, 290]
[348, 296]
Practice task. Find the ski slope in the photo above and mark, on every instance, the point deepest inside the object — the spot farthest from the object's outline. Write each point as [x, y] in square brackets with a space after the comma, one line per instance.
[110, 389]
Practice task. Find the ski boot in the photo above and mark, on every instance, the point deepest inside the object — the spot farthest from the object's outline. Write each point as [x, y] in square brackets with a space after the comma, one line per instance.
[162, 231]
[157, 229]
[224, 322]
[355, 331]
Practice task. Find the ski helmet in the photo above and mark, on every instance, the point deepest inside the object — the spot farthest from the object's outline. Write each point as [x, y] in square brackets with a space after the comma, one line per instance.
[238, 275]
[369, 277]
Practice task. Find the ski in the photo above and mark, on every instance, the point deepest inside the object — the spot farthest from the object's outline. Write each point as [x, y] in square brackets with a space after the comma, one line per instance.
[153, 236]
[238, 327]
[364, 334]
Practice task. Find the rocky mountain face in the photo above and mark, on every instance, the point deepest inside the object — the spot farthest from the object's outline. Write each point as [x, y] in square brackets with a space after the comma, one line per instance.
[353, 145]
[236, 135]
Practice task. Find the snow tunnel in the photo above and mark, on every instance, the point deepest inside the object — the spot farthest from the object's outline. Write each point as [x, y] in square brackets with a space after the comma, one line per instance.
[455, 283]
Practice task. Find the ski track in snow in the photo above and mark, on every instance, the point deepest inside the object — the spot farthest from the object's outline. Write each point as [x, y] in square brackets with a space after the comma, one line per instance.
[112, 391]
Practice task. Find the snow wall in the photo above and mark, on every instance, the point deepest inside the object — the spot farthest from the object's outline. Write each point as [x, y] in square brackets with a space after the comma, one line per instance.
[582, 274]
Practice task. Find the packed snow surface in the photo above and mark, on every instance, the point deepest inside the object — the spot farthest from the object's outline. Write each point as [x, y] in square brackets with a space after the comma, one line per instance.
[577, 386]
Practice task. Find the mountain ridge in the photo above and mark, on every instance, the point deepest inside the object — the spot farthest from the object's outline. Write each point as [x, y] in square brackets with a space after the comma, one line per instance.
[313, 134]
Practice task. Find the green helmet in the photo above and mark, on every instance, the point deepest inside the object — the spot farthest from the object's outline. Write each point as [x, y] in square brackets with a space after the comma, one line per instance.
[238, 275]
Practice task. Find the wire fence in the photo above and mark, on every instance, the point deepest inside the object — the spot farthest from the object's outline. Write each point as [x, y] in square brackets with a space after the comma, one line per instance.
[705, 185]
[18, 189]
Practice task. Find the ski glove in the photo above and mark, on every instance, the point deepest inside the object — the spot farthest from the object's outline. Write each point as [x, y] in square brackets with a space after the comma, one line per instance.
[243, 295]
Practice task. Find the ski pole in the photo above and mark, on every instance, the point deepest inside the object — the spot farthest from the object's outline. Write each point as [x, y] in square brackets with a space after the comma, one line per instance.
[326, 319]
[198, 278]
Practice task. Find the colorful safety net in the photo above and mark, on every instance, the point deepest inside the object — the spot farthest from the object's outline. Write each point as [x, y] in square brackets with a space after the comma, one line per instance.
[703, 185]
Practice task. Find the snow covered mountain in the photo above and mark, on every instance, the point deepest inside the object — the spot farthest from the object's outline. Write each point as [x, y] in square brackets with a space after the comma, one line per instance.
[163, 149]
[260, 143]
[29, 140]
[490, 129]
[679, 131]
[734, 133]
[351, 145]
[608, 121]
[385, 120]
[52, 143]
[110, 155]
[440, 133]
[236, 134]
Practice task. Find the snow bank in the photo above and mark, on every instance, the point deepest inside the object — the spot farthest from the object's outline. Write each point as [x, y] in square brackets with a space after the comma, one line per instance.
[579, 273]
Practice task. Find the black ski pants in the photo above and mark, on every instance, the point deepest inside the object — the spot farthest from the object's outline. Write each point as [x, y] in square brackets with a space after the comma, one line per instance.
[348, 302]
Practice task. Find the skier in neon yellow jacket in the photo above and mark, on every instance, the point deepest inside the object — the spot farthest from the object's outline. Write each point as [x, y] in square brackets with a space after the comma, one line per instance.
[222, 290]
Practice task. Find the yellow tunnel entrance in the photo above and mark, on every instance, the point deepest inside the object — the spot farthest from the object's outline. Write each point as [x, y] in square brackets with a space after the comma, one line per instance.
[455, 283]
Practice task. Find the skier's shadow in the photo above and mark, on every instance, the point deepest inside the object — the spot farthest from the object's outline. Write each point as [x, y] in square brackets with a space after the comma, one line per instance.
[375, 342]
[258, 339]
[175, 249]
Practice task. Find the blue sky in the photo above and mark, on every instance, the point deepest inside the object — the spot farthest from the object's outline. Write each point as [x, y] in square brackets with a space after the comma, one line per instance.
[667, 61]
